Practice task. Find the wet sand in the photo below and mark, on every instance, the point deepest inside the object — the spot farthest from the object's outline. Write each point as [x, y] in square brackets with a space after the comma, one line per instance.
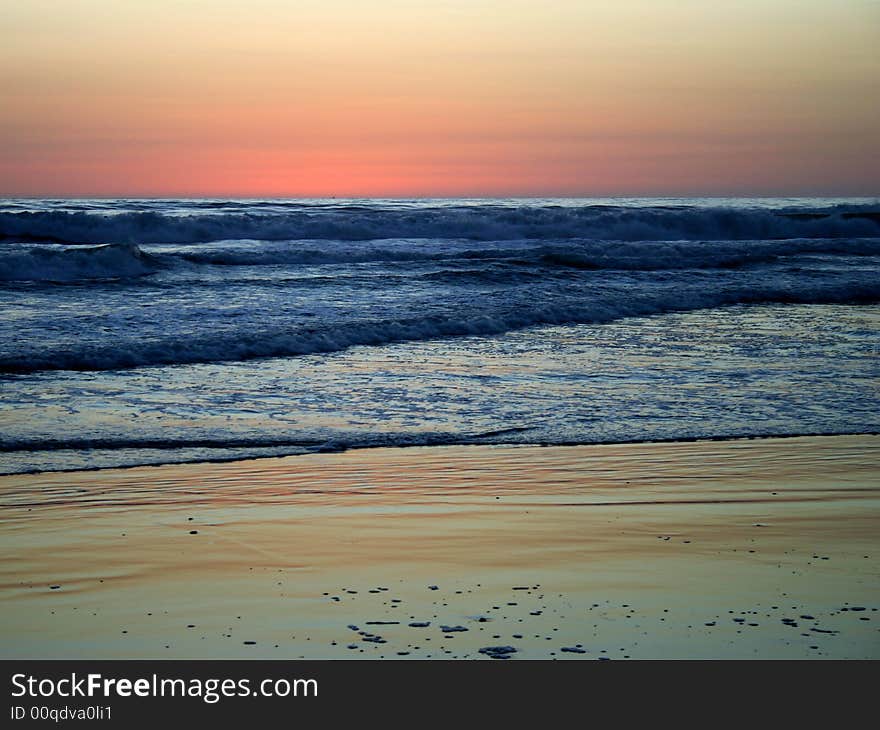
[741, 549]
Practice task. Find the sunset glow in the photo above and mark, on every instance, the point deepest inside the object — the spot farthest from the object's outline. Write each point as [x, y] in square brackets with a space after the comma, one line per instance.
[464, 97]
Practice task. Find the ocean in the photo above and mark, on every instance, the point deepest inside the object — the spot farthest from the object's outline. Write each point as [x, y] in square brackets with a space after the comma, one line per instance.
[136, 332]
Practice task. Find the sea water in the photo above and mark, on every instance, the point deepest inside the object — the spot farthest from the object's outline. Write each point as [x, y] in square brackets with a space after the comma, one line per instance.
[154, 331]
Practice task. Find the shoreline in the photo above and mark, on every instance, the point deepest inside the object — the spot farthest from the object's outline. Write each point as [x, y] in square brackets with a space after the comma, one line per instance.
[444, 444]
[706, 549]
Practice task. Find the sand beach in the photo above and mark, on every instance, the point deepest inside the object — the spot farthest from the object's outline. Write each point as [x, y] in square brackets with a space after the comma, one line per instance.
[761, 548]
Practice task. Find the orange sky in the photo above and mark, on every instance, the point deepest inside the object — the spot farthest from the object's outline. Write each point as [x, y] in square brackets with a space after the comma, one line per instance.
[456, 97]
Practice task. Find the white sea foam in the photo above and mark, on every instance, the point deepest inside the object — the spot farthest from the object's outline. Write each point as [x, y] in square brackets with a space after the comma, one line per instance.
[485, 222]
[149, 331]
[252, 342]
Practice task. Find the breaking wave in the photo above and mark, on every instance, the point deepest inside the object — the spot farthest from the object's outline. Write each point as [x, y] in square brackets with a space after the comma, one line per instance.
[489, 221]
[249, 344]
[70, 263]
[66, 263]
[582, 254]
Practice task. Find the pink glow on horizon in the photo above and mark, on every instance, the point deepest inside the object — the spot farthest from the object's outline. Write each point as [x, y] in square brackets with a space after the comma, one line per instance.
[475, 98]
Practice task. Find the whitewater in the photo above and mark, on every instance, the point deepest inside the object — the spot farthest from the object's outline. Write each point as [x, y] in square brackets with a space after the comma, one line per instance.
[153, 331]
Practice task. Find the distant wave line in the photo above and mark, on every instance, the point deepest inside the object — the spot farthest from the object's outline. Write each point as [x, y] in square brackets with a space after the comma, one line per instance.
[474, 222]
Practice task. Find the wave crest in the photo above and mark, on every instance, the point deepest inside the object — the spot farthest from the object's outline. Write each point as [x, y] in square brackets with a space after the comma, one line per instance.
[472, 222]
[65, 263]
[247, 344]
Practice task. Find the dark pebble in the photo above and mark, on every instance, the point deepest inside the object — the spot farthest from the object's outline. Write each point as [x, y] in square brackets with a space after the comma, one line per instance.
[498, 652]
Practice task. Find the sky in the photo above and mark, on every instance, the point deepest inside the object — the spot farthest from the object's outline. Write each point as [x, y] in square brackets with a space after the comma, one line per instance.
[353, 98]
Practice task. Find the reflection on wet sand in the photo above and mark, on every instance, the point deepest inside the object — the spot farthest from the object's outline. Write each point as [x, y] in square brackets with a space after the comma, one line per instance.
[761, 548]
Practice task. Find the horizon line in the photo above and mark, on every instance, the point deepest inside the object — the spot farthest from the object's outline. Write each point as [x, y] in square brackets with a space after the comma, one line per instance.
[635, 196]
